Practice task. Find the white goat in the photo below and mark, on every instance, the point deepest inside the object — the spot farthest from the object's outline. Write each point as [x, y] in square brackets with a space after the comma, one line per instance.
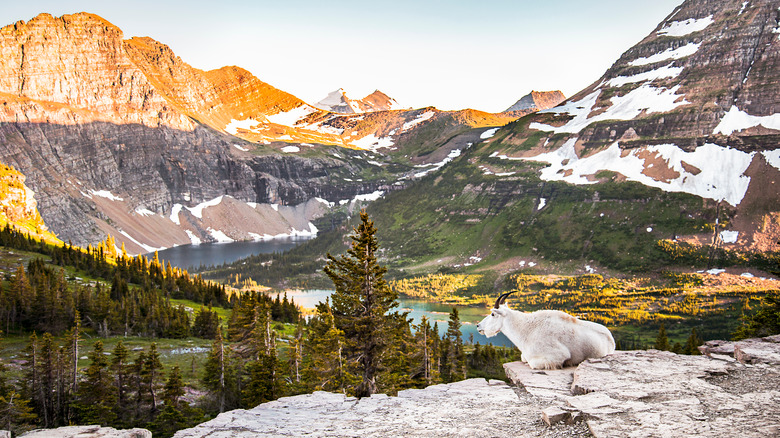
[548, 339]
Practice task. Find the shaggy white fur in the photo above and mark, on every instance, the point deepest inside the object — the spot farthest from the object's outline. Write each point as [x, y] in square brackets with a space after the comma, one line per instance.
[549, 339]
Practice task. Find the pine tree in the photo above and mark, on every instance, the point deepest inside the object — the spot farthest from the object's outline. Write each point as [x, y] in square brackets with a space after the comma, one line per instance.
[151, 375]
[324, 367]
[692, 344]
[97, 394]
[174, 387]
[661, 341]
[424, 357]
[361, 303]
[456, 357]
[219, 375]
[119, 367]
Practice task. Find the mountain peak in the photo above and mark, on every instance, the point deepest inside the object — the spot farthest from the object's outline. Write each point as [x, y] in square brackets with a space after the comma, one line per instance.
[538, 101]
[338, 102]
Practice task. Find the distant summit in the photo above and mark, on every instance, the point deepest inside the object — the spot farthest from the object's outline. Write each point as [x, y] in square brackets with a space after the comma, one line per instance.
[338, 102]
[538, 101]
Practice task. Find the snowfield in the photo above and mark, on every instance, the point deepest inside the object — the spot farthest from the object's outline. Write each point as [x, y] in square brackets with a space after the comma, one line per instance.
[292, 117]
[687, 27]
[645, 98]
[720, 173]
[234, 125]
[371, 142]
[660, 73]
[668, 54]
[737, 120]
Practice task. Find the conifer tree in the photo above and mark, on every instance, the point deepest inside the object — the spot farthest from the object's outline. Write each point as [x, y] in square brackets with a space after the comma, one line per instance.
[662, 341]
[219, 375]
[97, 394]
[457, 355]
[361, 303]
[119, 367]
[174, 387]
[324, 367]
[692, 344]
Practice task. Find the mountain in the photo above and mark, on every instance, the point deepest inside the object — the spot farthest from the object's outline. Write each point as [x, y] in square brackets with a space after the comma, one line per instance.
[338, 102]
[120, 136]
[537, 100]
[677, 142]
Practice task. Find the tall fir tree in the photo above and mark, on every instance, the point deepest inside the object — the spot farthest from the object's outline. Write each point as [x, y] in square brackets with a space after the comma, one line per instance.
[97, 393]
[361, 303]
[662, 341]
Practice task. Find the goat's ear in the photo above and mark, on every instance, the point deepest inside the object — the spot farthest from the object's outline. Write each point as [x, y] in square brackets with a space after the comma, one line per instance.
[500, 311]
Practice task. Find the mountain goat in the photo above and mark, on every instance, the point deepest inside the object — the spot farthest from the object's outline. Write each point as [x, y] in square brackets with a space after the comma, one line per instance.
[548, 339]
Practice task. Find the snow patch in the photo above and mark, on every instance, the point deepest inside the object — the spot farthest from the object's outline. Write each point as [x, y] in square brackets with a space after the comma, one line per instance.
[542, 203]
[369, 196]
[436, 166]
[660, 73]
[589, 269]
[371, 142]
[644, 98]
[291, 149]
[105, 194]
[680, 52]
[737, 120]
[240, 148]
[235, 125]
[197, 210]
[686, 27]
[729, 236]
[326, 202]
[219, 236]
[744, 5]
[772, 157]
[721, 175]
[420, 118]
[649, 229]
[146, 248]
[195, 240]
[144, 212]
[489, 133]
[292, 117]
[715, 271]
[747, 275]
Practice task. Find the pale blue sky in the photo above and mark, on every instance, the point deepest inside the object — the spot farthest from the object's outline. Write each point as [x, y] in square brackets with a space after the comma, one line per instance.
[449, 54]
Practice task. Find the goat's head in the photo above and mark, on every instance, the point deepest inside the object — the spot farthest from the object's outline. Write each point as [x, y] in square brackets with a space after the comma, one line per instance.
[491, 325]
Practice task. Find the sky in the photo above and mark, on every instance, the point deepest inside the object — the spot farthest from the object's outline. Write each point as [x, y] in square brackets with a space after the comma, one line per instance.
[451, 54]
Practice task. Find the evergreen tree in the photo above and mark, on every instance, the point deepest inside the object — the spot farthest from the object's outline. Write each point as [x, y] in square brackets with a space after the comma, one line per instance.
[691, 345]
[457, 357]
[361, 303]
[219, 375]
[424, 357]
[661, 341]
[119, 367]
[97, 394]
[16, 414]
[174, 387]
[151, 373]
[324, 366]
[765, 321]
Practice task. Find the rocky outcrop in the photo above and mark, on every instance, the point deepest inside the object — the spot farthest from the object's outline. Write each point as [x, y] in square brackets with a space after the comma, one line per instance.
[472, 407]
[626, 394]
[18, 206]
[537, 100]
[657, 393]
[88, 432]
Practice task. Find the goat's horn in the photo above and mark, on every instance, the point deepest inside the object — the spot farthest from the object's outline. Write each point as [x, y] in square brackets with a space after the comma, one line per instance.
[501, 299]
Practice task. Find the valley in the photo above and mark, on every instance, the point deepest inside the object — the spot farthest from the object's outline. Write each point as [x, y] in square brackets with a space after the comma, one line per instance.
[176, 243]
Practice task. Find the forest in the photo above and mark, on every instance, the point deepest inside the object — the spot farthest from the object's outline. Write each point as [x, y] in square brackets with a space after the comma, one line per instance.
[69, 303]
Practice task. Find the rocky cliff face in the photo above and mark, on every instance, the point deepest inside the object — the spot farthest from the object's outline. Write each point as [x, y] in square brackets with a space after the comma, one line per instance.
[18, 206]
[121, 136]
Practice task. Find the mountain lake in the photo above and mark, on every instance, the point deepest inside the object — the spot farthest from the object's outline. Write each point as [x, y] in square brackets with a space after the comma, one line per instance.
[214, 254]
